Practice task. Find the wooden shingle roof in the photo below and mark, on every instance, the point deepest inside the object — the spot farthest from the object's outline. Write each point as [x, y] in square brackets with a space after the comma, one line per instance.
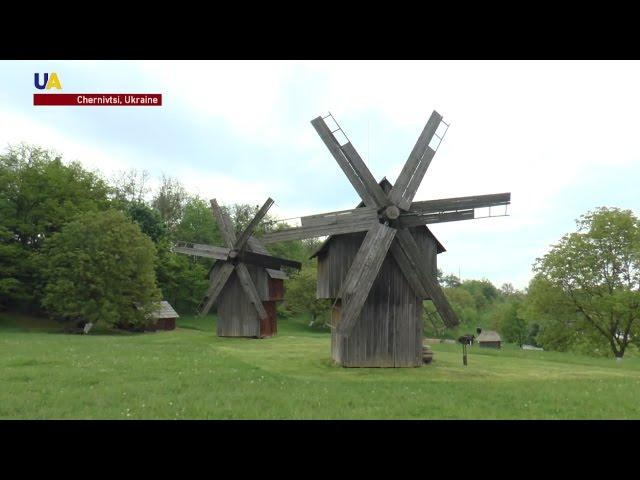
[489, 336]
[165, 310]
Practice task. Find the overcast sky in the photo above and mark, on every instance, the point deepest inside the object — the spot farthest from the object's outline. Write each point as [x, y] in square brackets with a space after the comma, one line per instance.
[563, 137]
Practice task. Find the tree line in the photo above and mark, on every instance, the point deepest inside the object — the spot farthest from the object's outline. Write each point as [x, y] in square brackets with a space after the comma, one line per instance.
[79, 247]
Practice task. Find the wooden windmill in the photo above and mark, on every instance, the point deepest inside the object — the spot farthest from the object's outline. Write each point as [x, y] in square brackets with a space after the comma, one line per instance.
[246, 281]
[378, 279]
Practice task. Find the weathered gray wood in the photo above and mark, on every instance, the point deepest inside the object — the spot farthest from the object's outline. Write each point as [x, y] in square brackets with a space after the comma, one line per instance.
[398, 194]
[221, 273]
[370, 183]
[224, 223]
[237, 316]
[408, 270]
[201, 250]
[416, 180]
[461, 203]
[268, 261]
[250, 289]
[334, 147]
[299, 233]
[410, 247]
[362, 274]
[341, 217]
[406, 221]
[248, 231]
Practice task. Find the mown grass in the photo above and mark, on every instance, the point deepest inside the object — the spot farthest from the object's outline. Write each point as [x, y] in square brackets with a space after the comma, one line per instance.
[190, 373]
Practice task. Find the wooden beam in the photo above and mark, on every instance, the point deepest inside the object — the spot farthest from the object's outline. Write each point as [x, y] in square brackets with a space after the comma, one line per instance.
[340, 217]
[224, 223]
[221, 273]
[268, 261]
[408, 270]
[406, 221]
[334, 147]
[461, 203]
[248, 231]
[368, 180]
[429, 282]
[201, 250]
[250, 289]
[398, 194]
[362, 273]
[299, 233]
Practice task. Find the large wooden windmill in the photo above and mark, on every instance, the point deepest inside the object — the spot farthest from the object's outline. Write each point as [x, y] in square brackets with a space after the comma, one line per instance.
[246, 281]
[379, 262]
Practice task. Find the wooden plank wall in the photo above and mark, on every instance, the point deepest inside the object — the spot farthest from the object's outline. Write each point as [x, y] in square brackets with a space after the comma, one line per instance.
[388, 332]
[237, 317]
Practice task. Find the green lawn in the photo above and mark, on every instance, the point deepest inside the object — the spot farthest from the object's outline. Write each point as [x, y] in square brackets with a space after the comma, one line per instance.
[190, 373]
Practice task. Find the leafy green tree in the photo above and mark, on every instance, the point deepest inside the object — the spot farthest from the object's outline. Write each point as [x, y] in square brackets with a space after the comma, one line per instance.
[513, 327]
[197, 224]
[182, 279]
[596, 274]
[300, 297]
[100, 268]
[170, 201]
[148, 219]
[39, 194]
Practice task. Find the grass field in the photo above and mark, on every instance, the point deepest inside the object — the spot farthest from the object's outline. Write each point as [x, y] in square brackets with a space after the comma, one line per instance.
[189, 373]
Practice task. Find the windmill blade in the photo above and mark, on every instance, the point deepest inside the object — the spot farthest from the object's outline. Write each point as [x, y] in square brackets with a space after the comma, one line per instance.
[362, 274]
[431, 287]
[248, 231]
[413, 220]
[461, 203]
[408, 270]
[331, 223]
[416, 165]
[201, 250]
[268, 261]
[353, 166]
[250, 289]
[224, 223]
[221, 273]
[358, 165]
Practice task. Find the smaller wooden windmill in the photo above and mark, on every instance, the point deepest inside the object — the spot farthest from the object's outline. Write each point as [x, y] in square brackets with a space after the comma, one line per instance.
[245, 281]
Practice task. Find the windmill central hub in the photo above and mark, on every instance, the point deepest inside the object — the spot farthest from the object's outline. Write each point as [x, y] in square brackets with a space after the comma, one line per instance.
[392, 212]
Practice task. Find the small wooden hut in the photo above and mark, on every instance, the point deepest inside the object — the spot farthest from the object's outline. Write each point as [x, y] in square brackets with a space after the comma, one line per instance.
[490, 339]
[165, 316]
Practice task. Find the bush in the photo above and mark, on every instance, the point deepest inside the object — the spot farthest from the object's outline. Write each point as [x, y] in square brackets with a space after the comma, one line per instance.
[100, 268]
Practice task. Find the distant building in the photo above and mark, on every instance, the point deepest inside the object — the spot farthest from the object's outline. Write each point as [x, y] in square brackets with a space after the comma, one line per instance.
[489, 338]
[165, 316]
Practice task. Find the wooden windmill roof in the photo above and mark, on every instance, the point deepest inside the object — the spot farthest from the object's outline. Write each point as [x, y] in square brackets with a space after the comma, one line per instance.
[386, 186]
[489, 336]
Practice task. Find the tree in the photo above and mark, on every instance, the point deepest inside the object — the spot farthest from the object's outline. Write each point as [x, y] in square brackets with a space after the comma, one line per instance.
[100, 267]
[596, 272]
[39, 194]
[197, 224]
[513, 327]
[147, 218]
[170, 201]
[182, 279]
[300, 296]
[131, 186]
